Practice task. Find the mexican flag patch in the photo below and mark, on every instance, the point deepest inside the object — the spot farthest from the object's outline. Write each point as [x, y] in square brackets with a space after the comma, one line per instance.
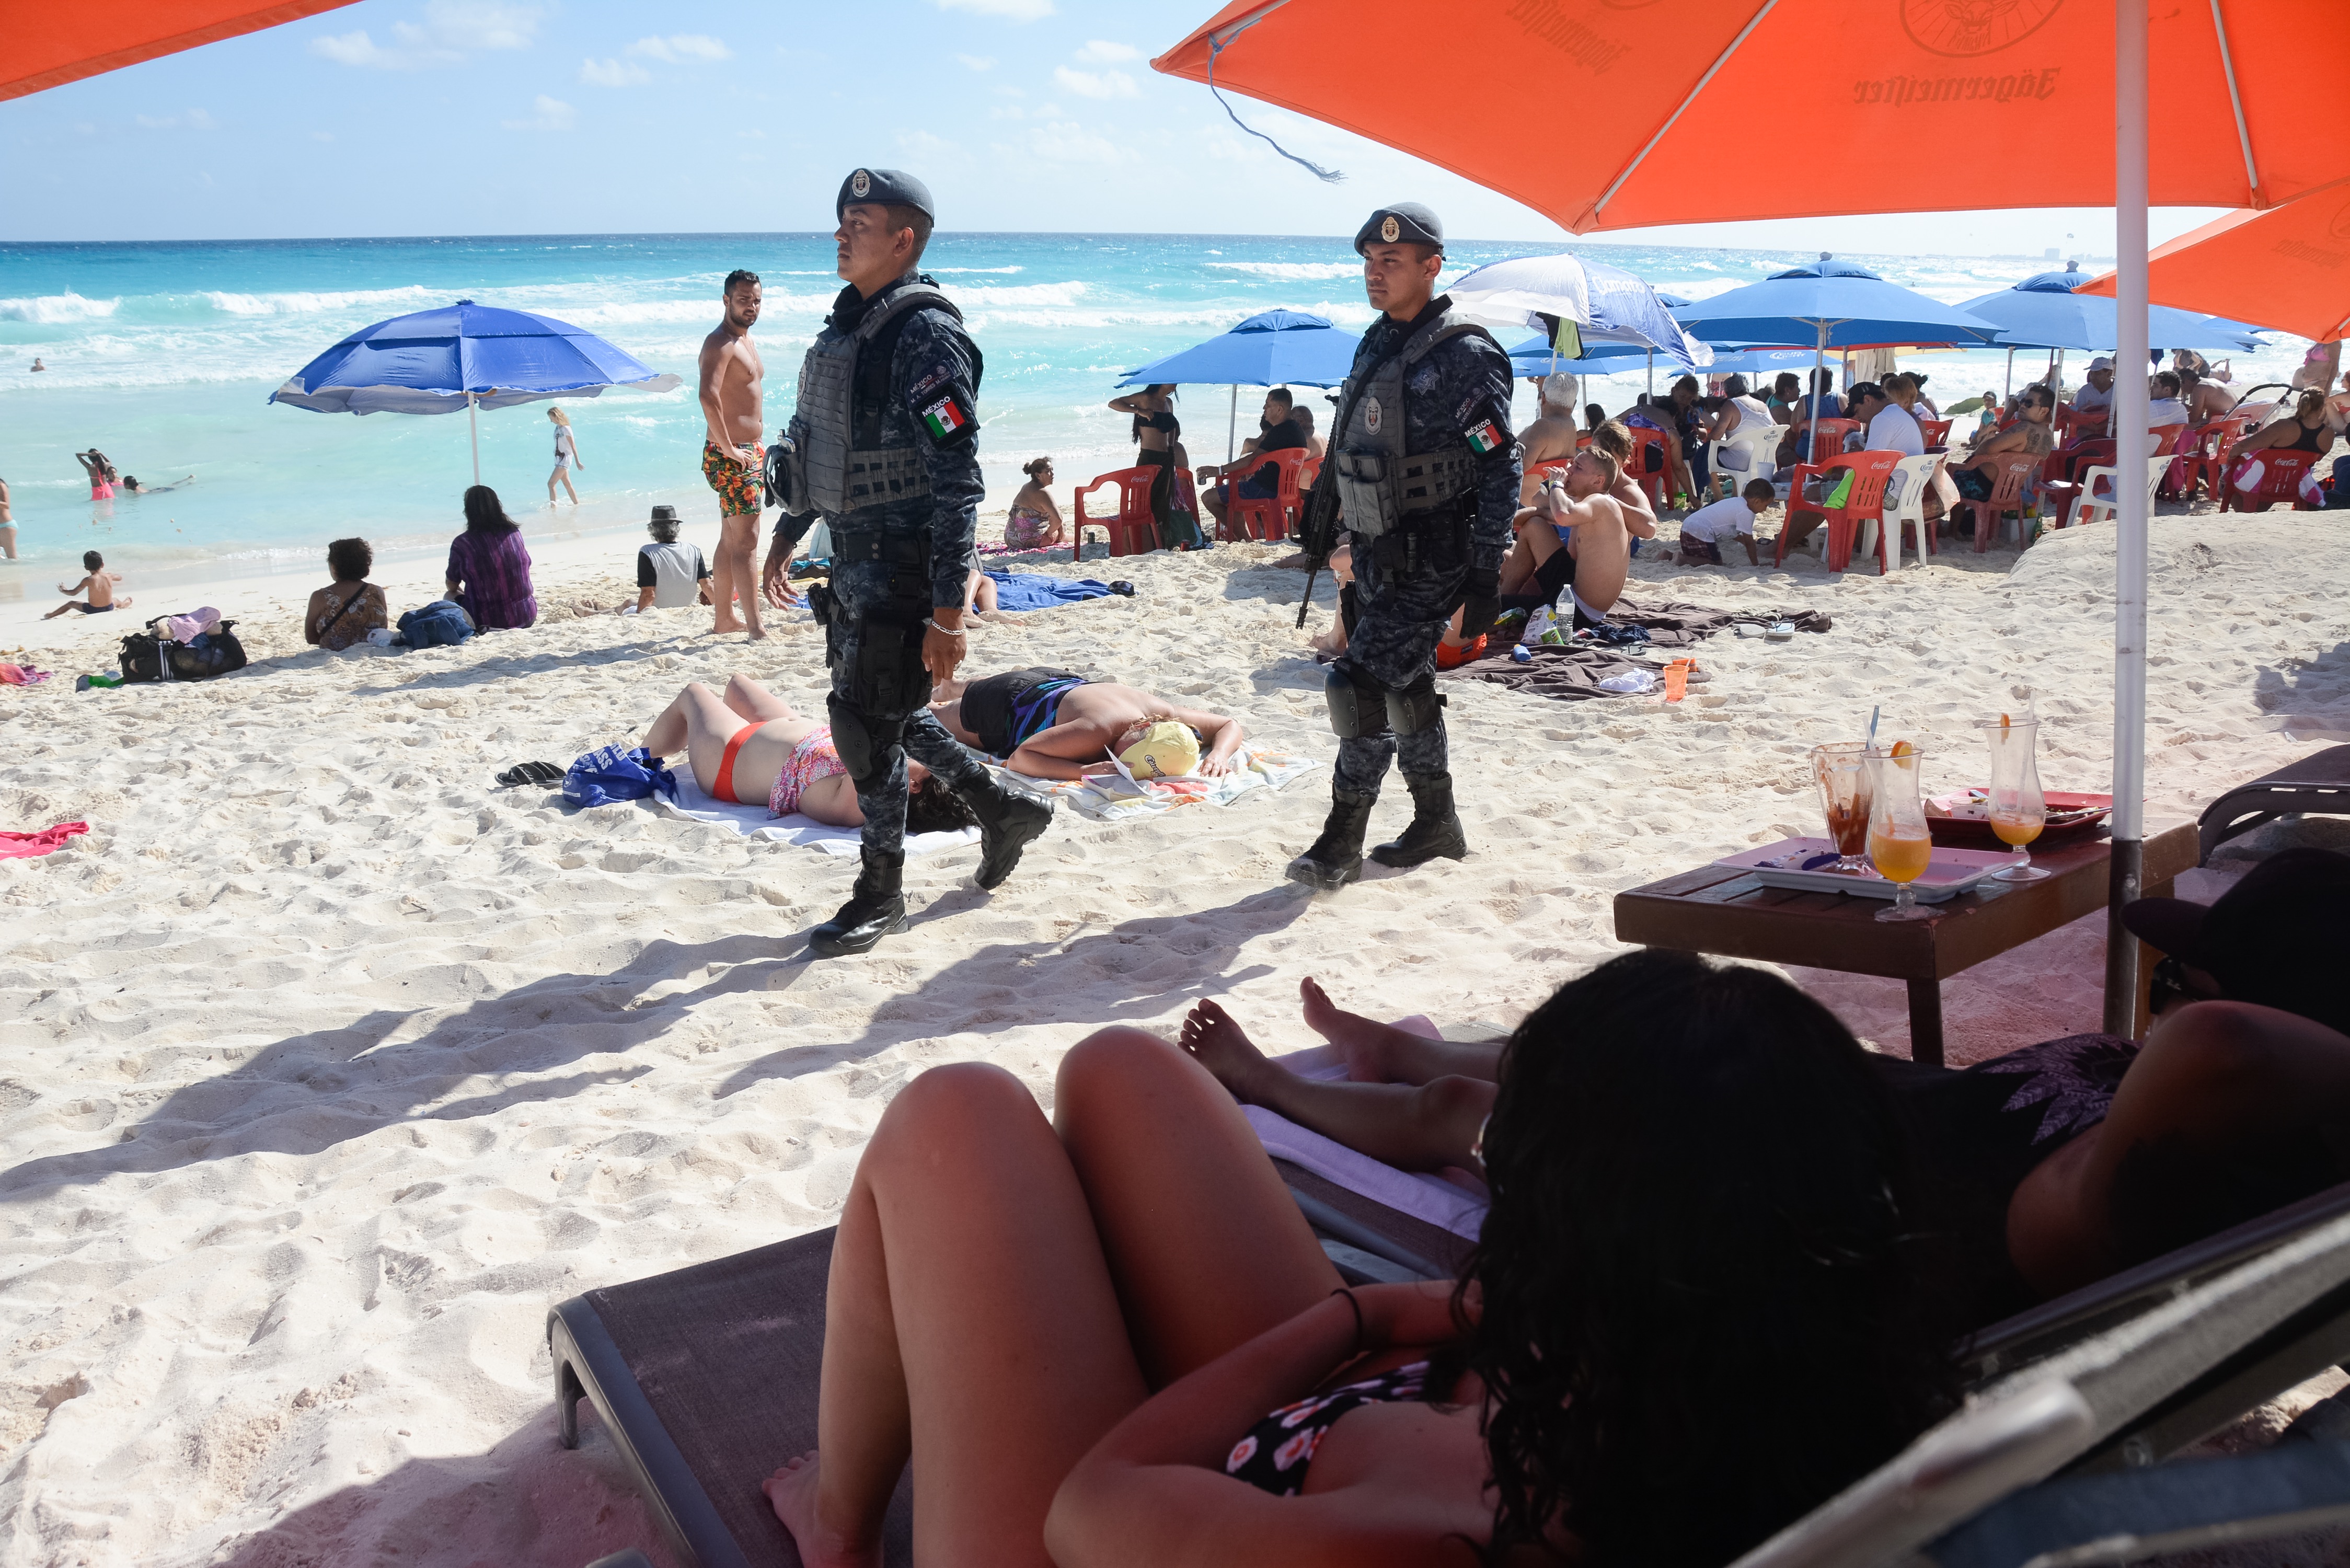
[1486, 438]
[943, 419]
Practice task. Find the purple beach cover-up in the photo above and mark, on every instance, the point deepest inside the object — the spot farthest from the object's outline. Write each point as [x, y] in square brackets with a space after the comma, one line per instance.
[495, 570]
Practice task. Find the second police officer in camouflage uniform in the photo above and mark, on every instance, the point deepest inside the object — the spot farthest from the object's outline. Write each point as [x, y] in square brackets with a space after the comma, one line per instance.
[883, 445]
[1426, 472]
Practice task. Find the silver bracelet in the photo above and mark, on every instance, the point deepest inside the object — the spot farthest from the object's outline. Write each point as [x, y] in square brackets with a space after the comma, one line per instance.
[947, 630]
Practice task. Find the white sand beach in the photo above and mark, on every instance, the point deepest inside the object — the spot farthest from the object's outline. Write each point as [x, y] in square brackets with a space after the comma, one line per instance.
[327, 1067]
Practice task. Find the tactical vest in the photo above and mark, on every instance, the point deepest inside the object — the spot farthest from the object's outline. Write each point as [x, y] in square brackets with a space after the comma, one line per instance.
[1380, 486]
[830, 473]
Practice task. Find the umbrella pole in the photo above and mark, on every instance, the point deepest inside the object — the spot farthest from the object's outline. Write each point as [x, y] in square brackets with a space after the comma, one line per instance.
[473, 429]
[2130, 399]
[1232, 426]
[2009, 392]
[1652, 373]
[2056, 381]
[1812, 431]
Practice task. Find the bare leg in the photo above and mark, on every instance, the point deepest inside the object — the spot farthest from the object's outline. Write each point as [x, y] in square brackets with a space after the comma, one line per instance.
[699, 724]
[1379, 1052]
[735, 574]
[754, 702]
[1422, 1129]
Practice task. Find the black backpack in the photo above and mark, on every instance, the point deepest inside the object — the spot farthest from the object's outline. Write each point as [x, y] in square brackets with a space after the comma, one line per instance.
[214, 652]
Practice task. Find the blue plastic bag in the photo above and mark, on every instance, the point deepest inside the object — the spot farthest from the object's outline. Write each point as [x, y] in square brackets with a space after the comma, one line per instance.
[617, 773]
[430, 625]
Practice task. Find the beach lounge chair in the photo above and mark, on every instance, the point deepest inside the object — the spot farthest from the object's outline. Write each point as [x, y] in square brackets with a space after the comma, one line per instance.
[2318, 784]
[1132, 529]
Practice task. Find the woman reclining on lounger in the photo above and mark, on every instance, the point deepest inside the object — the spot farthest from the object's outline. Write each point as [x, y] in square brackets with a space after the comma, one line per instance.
[752, 746]
[1110, 1337]
[2051, 1166]
[1055, 725]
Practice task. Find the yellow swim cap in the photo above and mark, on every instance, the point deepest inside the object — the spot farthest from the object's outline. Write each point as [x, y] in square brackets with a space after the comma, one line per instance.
[1167, 750]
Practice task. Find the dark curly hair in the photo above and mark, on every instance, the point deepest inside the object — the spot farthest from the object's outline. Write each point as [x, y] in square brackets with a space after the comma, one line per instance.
[1707, 1299]
[931, 807]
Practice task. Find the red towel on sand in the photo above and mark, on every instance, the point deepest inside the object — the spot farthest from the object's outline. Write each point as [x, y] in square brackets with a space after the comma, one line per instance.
[17, 845]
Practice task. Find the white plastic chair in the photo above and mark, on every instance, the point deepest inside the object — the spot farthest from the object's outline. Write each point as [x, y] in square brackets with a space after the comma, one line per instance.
[1758, 441]
[2110, 501]
[1910, 477]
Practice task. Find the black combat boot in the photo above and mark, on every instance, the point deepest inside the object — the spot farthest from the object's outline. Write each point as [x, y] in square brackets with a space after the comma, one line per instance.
[1008, 823]
[875, 908]
[1435, 829]
[1337, 857]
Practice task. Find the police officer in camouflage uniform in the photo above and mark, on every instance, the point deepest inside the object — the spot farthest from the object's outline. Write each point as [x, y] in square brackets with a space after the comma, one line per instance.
[1427, 477]
[883, 446]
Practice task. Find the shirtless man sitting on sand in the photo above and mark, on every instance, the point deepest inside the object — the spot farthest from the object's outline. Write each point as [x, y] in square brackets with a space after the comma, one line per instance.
[733, 461]
[1575, 536]
[1053, 724]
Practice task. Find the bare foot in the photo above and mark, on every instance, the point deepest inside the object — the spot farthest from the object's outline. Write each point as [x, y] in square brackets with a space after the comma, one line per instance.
[791, 1493]
[722, 626]
[758, 634]
[1361, 1039]
[1217, 1044]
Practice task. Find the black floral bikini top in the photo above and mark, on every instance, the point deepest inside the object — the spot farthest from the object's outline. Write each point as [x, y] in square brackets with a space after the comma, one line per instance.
[1274, 1453]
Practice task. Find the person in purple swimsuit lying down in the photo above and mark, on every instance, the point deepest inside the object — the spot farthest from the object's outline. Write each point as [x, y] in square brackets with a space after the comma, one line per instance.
[749, 744]
[2049, 1167]
[1109, 1337]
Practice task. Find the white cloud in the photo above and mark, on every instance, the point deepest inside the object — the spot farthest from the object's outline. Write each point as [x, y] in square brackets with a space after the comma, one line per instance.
[548, 114]
[612, 73]
[450, 28]
[1010, 10]
[1096, 84]
[978, 62]
[1063, 143]
[1101, 52]
[925, 145]
[680, 48]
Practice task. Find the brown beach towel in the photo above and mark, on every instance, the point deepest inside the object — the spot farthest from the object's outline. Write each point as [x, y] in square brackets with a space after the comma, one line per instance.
[1572, 672]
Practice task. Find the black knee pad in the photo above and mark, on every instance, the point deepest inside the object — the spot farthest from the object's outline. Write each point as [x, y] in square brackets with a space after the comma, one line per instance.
[1416, 708]
[1359, 708]
[863, 742]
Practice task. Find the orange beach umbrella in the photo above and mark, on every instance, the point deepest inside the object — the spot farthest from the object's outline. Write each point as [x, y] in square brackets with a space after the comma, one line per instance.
[2051, 98]
[2288, 267]
[51, 44]
[1660, 93]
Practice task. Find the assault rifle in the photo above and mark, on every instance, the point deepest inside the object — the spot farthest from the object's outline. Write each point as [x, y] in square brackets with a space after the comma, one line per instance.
[1317, 531]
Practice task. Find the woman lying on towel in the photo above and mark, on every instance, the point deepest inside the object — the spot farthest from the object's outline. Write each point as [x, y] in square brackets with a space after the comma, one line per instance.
[1109, 1337]
[2049, 1167]
[751, 745]
[1055, 725]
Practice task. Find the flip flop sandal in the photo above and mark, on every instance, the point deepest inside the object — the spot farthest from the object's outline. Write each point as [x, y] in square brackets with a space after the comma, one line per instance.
[1779, 631]
[531, 773]
[1123, 588]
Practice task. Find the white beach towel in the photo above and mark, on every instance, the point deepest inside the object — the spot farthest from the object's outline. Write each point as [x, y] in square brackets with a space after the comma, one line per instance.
[1112, 797]
[1431, 1198]
[754, 822]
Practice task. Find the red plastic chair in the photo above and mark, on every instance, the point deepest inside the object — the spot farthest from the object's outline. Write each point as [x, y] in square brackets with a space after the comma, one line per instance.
[1864, 502]
[1651, 474]
[2211, 444]
[1937, 433]
[1824, 439]
[2281, 476]
[1272, 519]
[2015, 470]
[2075, 425]
[1131, 529]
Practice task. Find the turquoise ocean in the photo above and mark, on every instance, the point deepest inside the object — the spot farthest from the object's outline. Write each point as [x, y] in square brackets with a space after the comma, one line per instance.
[163, 355]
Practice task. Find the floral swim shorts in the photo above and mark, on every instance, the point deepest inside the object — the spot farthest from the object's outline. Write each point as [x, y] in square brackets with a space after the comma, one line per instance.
[739, 489]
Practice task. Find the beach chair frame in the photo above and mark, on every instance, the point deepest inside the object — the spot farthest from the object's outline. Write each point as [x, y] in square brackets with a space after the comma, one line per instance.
[2317, 785]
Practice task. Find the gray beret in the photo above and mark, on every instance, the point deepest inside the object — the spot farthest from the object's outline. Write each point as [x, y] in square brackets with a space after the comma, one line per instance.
[1405, 223]
[885, 187]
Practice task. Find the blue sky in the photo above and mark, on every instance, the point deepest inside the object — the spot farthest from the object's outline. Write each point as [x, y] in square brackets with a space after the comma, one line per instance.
[477, 117]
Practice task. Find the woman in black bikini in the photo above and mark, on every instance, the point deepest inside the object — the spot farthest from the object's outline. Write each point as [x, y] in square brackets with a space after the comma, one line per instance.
[1110, 1337]
[2307, 430]
[1155, 431]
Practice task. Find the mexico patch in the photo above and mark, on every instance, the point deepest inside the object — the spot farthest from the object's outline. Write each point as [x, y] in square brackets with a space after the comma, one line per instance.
[946, 419]
[1485, 438]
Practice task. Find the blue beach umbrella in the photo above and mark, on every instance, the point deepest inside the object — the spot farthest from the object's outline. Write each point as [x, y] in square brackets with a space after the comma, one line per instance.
[2045, 312]
[1831, 304]
[1272, 348]
[464, 356]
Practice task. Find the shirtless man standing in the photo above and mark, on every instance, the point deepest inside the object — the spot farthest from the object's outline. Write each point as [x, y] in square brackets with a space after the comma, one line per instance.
[733, 461]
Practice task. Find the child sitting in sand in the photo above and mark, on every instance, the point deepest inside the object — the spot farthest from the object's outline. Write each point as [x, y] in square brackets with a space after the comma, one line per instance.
[1055, 724]
[751, 744]
[100, 583]
[1704, 530]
